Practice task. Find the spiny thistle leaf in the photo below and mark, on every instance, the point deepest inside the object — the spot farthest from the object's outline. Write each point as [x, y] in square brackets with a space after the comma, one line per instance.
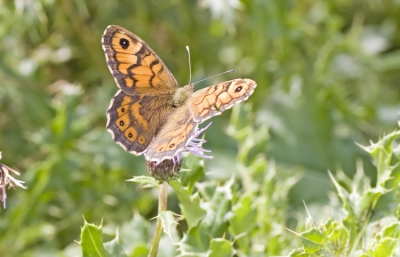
[312, 240]
[221, 248]
[168, 222]
[115, 248]
[92, 241]
[190, 204]
[242, 212]
[145, 181]
[384, 248]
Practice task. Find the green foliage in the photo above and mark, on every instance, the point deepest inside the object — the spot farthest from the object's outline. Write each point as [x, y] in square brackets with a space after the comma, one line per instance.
[224, 219]
[92, 243]
[364, 229]
[145, 181]
[327, 74]
[220, 247]
[190, 204]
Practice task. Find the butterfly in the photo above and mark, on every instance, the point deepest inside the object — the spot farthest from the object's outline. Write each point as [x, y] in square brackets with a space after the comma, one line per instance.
[151, 114]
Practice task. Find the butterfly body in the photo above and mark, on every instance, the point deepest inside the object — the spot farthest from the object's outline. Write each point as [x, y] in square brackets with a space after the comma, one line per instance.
[182, 95]
[151, 114]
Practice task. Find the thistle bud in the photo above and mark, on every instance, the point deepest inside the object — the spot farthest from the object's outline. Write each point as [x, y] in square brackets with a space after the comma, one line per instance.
[165, 170]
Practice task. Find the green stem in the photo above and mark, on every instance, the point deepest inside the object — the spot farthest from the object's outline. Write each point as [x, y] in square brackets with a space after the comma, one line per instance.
[162, 206]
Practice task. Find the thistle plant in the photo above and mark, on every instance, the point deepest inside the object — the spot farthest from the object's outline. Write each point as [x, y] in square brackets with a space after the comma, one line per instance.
[8, 181]
[161, 173]
[364, 218]
[251, 220]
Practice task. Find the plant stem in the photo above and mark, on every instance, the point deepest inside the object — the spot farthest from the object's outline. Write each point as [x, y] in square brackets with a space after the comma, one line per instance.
[162, 206]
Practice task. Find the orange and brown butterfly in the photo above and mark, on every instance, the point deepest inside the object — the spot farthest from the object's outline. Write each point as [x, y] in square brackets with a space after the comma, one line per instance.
[151, 114]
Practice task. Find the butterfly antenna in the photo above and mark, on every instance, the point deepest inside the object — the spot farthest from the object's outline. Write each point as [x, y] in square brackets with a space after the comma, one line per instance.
[190, 66]
[228, 71]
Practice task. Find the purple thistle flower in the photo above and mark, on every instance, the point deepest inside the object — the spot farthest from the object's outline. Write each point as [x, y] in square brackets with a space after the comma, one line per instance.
[194, 145]
[168, 169]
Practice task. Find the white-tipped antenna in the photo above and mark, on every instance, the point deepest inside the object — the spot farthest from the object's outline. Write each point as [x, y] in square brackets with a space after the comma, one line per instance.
[190, 66]
[214, 76]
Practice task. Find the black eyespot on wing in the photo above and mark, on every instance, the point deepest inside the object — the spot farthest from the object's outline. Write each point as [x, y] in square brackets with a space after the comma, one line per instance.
[124, 43]
[238, 89]
[130, 135]
[121, 123]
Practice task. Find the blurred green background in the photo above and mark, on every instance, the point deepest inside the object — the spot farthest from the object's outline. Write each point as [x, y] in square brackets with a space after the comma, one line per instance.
[328, 75]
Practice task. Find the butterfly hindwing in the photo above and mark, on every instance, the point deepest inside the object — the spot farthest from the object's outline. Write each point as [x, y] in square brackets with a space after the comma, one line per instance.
[213, 100]
[174, 136]
[133, 121]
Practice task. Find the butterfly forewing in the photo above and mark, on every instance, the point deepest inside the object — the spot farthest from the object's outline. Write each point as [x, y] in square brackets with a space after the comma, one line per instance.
[135, 67]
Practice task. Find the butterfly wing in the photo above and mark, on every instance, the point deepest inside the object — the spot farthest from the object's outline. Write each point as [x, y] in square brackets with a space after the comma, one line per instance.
[135, 67]
[173, 137]
[213, 100]
[181, 126]
[139, 109]
[133, 120]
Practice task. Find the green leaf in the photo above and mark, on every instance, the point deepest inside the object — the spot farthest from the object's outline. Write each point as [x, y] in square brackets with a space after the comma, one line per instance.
[115, 248]
[190, 204]
[141, 250]
[297, 253]
[384, 248]
[382, 153]
[207, 189]
[330, 225]
[215, 221]
[145, 181]
[191, 172]
[338, 239]
[343, 195]
[392, 230]
[213, 225]
[92, 241]
[135, 234]
[369, 198]
[195, 241]
[220, 248]
[312, 240]
[168, 222]
[242, 212]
